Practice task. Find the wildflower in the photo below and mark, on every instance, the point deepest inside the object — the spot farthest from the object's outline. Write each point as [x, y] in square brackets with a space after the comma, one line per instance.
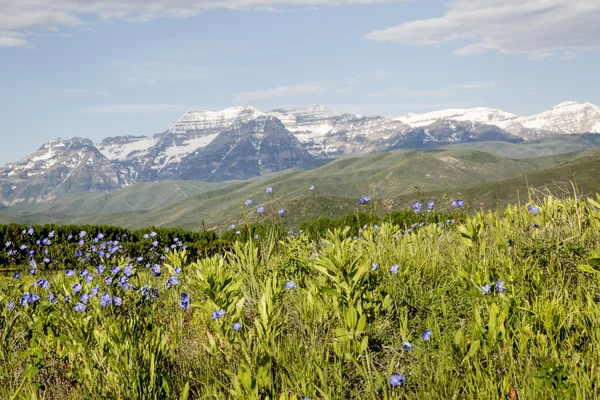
[82, 234]
[33, 298]
[100, 236]
[290, 285]
[139, 259]
[178, 270]
[374, 267]
[376, 227]
[125, 284]
[458, 203]
[532, 209]
[426, 335]
[46, 261]
[156, 270]
[281, 211]
[43, 284]
[155, 244]
[128, 270]
[232, 226]
[248, 202]
[16, 275]
[430, 205]
[364, 200]
[260, 210]
[173, 281]
[83, 272]
[184, 301]
[312, 187]
[45, 241]
[417, 207]
[115, 269]
[77, 288]
[67, 298]
[84, 298]
[52, 298]
[407, 346]
[486, 288]
[255, 237]
[105, 300]
[152, 234]
[500, 286]
[11, 305]
[237, 326]
[69, 237]
[79, 253]
[217, 314]
[108, 280]
[25, 299]
[396, 379]
[30, 231]
[237, 232]
[89, 278]
[269, 190]
[100, 269]
[394, 269]
[146, 236]
[7, 244]
[22, 247]
[535, 226]
[117, 301]
[80, 307]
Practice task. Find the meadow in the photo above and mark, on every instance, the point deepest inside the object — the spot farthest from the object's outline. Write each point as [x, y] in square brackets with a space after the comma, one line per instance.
[459, 304]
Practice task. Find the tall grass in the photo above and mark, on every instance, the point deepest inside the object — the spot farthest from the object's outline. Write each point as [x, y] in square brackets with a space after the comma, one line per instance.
[331, 318]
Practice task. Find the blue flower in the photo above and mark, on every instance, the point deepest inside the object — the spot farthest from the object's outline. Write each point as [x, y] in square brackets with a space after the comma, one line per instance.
[69, 237]
[156, 270]
[155, 244]
[394, 269]
[417, 207]
[184, 301]
[178, 270]
[248, 202]
[80, 307]
[146, 236]
[374, 267]
[108, 280]
[256, 237]
[173, 281]
[45, 241]
[128, 270]
[458, 203]
[25, 299]
[94, 291]
[117, 301]
[114, 270]
[11, 305]
[52, 298]
[7, 244]
[105, 300]
[269, 190]
[81, 242]
[152, 234]
[290, 285]
[500, 286]
[82, 234]
[260, 210]
[125, 284]
[83, 272]
[22, 247]
[16, 275]
[84, 298]
[312, 187]
[426, 335]
[396, 379]
[281, 211]
[89, 278]
[532, 209]
[430, 205]
[237, 232]
[30, 231]
[486, 288]
[139, 259]
[237, 326]
[217, 314]
[364, 200]
[100, 269]
[77, 288]
[43, 284]
[407, 346]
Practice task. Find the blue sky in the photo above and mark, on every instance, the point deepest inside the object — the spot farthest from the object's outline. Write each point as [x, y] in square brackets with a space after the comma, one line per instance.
[105, 68]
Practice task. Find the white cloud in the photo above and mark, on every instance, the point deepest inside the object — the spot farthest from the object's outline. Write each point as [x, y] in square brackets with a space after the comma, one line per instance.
[537, 28]
[436, 93]
[78, 92]
[151, 72]
[281, 91]
[129, 109]
[18, 18]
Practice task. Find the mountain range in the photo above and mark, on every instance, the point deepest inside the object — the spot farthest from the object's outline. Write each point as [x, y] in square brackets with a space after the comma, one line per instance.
[242, 142]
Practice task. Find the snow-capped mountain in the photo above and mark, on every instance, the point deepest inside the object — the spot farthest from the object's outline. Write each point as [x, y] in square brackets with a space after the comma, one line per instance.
[59, 167]
[243, 142]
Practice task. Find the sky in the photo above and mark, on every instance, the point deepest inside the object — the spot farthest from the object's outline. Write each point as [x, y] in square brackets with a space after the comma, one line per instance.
[94, 69]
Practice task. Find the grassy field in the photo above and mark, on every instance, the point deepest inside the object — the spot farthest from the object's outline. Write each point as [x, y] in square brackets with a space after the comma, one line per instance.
[502, 304]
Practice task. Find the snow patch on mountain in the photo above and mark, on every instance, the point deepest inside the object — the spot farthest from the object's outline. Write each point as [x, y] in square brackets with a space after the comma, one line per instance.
[482, 115]
[567, 118]
[127, 147]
